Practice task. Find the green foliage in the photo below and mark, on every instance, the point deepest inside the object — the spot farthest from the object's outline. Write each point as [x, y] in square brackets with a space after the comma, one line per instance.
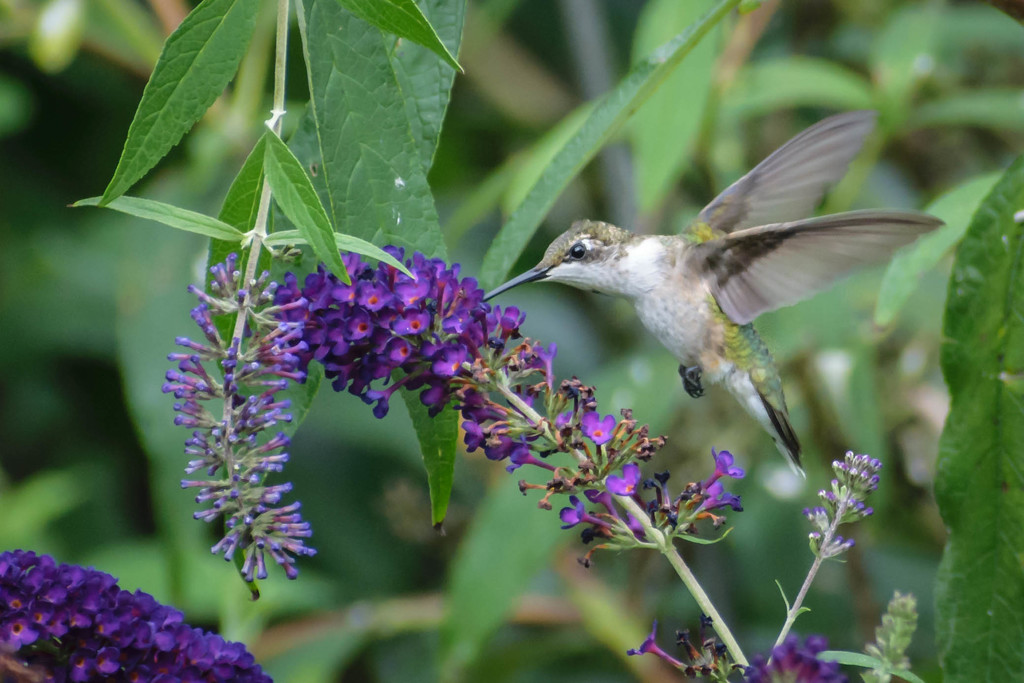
[370, 167]
[437, 436]
[403, 18]
[197, 62]
[910, 264]
[603, 122]
[294, 193]
[665, 128]
[504, 548]
[980, 480]
[771, 84]
[173, 216]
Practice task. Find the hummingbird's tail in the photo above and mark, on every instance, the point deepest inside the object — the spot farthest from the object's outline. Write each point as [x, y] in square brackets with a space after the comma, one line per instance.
[785, 437]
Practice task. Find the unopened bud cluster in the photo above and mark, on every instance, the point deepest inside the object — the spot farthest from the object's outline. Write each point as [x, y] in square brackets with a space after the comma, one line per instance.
[227, 393]
[856, 478]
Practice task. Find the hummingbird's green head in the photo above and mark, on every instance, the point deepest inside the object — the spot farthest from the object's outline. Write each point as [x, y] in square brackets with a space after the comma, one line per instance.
[582, 256]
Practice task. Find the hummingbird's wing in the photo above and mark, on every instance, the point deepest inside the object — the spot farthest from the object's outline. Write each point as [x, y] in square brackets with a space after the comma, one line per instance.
[760, 269]
[790, 183]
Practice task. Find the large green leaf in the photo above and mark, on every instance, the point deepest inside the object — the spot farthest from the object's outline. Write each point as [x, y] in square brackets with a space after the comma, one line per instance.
[198, 61]
[368, 165]
[170, 215]
[606, 119]
[403, 18]
[426, 82]
[665, 128]
[768, 85]
[437, 445]
[509, 540]
[979, 481]
[910, 264]
[999, 108]
[293, 191]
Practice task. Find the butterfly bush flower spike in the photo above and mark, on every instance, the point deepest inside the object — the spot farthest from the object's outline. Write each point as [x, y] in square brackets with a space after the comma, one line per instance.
[65, 622]
[227, 394]
[844, 502]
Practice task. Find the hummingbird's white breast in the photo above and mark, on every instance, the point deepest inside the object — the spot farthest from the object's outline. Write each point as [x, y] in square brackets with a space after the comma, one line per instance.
[671, 302]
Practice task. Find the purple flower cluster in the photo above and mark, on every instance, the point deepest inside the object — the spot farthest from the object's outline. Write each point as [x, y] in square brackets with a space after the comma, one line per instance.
[856, 479]
[432, 329]
[230, 447]
[434, 332]
[672, 514]
[75, 624]
[793, 662]
[427, 326]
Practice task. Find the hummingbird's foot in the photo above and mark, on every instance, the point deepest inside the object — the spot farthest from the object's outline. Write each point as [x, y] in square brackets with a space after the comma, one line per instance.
[691, 380]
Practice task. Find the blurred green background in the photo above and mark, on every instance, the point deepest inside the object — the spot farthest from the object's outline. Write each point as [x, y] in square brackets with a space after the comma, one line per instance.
[90, 303]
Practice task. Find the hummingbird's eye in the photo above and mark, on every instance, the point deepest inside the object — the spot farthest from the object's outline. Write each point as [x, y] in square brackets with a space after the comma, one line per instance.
[577, 251]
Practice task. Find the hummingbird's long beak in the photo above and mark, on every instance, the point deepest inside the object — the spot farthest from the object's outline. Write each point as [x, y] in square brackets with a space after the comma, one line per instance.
[529, 276]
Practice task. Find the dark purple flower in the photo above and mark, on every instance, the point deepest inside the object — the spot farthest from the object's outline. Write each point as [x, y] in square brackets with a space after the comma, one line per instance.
[627, 484]
[723, 467]
[793, 662]
[650, 646]
[448, 362]
[715, 496]
[598, 429]
[577, 514]
[90, 628]
[521, 455]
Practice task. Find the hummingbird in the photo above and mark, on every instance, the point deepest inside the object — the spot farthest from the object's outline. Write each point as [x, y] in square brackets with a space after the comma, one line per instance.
[751, 250]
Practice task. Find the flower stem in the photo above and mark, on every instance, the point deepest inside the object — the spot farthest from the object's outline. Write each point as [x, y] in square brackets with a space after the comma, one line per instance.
[826, 541]
[668, 549]
[259, 230]
[533, 416]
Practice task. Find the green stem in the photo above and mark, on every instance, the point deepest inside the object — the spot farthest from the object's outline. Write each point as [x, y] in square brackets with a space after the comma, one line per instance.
[533, 416]
[668, 549]
[259, 230]
[830, 533]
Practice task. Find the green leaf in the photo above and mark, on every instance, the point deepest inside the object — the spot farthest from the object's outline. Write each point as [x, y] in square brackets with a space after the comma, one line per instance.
[343, 242]
[293, 191]
[173, 216]
[535, 161]
[765, 86]
[606, 119]
[1001, 109]
[979, 483]
[910, 264]
[865, 661]
[509, 540]
[901, 56]
[404, 19]
[437, 437]
[426, 82]
[700, 540]
[199, 59]
[241, 204]
[369, 168]
[663, 133]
